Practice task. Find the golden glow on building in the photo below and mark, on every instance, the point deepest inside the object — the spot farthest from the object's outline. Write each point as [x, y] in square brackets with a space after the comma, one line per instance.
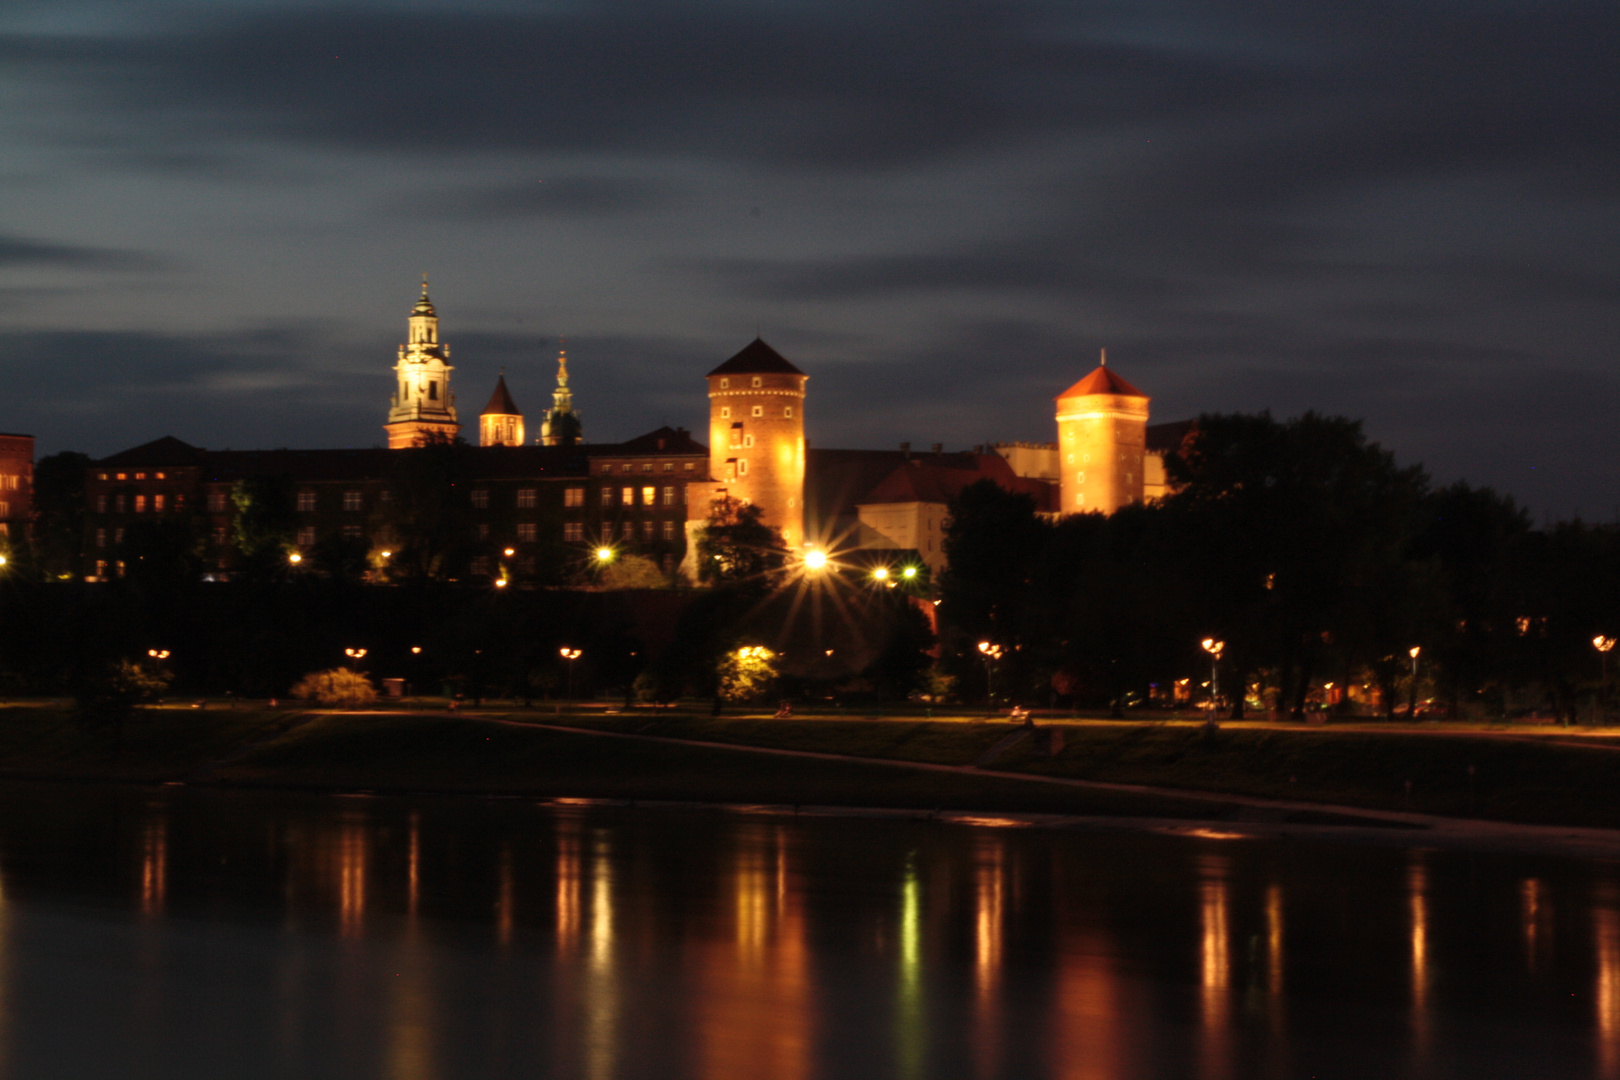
[756, 438]
[423, 405]
[1102, 443]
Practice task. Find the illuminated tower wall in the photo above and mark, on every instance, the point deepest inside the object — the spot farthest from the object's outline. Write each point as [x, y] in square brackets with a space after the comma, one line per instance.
[756, 436]
[423, 405]
[1102, 437]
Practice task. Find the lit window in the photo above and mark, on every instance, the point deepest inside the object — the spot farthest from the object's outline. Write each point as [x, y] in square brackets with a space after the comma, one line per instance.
[140, 476]
[628, 467]
[571, 497]
[647, 531]
[687, 467]
[607, 496]
[629, 497]
[101, 476]
[118, 536]
[669, 530]
[646, 467]
[725, 412]
[787, 412]
[306, 502]
[525, 498]
[573, 532]
[118, 504]
[669, 496]
[629, 530]
[123, 476]
[480, 499]
[140, 504]
[157, 501]
[101, 538]
[725, 384]
[669, 466]
[101, 564]
[648, 496]
[758, 382]
[742, 467]
[161, 476]
[759, 410]
[352, 501]
[525, 532]
[748, 442]
[736, 437]
[607, 467]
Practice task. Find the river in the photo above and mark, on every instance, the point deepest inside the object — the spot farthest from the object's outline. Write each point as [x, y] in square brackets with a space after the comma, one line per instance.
[176, 933]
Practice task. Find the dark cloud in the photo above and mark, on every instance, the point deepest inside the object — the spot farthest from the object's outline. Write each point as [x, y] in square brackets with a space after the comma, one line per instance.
[557, 196]
[16, 251]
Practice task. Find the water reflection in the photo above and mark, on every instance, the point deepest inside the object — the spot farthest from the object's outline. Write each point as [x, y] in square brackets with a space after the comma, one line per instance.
[756, 1017]
[1606, 946]
[425, 941]
[1216, 952]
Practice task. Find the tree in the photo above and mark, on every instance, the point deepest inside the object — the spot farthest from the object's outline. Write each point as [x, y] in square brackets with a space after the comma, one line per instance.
[735, 545]
[426, 509]
[113, 695]
[338, 687]
[58, 533]
[264, 524]
[633, 572]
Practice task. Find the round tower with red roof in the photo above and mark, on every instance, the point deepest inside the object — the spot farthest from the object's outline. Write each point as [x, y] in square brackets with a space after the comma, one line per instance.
[756, 436]
[1102, 439]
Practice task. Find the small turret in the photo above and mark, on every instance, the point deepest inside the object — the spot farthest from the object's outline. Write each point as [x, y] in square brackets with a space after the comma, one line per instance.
[500, 424]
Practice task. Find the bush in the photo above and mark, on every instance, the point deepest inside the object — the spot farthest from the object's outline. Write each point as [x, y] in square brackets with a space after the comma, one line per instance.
[340, 686]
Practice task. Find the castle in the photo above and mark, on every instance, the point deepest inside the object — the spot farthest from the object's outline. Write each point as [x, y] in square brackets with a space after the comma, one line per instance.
[532, 506]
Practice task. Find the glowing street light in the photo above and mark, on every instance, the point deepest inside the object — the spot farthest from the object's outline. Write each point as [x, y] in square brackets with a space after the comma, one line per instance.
[355, 654]
[909, 572]
[1602, 645]
[991, 652]
[295, 558]
[509, 552]
[570, 655]
[815, 560]
[1411, 700]
[500, 583]
[416, 650]
[880, 574]
[1214, 647]
[158, 654]
[604, 554]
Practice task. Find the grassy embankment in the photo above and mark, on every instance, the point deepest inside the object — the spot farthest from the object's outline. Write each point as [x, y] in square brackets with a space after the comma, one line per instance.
[1514, 779]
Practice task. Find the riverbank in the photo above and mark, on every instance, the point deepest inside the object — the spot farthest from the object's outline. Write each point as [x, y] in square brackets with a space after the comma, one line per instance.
[968, 765]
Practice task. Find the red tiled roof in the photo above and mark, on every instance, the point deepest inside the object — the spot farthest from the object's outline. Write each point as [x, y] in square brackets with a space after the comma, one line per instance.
[1102, 381]
[757, 358]
[165, 451]
[666, 440]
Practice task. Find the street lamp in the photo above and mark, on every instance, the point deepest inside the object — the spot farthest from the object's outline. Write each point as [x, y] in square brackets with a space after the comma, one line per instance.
[1411, 707]
[158, 654]
[295, 558]
[815, 560]
[604, 554]
[356, 655]
[1602, 645]
[1214, 648]
[569, 655]
[992, 653]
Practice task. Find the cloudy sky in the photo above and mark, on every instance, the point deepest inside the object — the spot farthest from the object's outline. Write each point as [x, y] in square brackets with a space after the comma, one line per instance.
[214, 217]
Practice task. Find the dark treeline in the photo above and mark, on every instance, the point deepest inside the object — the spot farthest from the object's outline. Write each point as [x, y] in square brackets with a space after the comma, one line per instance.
[1311, 554]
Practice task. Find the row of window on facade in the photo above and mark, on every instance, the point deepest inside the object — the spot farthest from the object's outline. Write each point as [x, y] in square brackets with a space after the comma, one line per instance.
[122, 503]
[757, 412]
[138, 476]
[646, 467]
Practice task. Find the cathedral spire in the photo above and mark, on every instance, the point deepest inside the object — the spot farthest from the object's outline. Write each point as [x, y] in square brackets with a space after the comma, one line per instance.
[423, 405]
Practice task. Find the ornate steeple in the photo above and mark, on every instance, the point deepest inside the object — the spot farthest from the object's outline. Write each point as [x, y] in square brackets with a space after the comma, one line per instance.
[423, 406]
[561, 426]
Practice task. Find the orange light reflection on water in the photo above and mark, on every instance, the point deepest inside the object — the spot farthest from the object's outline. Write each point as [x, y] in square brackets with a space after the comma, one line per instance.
[1215, 952]
[988, 899]
[1606, 935]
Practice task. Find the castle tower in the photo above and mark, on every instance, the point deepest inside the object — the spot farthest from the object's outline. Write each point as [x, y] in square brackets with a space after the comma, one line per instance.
[1102, 436]
[500, 424]
[562, 426]
[756, 436]
[423, 405]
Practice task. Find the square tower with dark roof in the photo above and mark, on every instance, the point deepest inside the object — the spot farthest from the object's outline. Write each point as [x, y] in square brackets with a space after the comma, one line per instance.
[1102, 443]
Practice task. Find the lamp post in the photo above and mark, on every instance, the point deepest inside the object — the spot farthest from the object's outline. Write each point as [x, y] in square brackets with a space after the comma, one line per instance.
[1411, 700]
[569, 655]
[1602, 645]
[992, 653]
[1214, 648]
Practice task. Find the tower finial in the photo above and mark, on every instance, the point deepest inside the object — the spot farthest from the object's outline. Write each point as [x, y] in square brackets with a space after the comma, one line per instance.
[424, 283]
[1104, 358]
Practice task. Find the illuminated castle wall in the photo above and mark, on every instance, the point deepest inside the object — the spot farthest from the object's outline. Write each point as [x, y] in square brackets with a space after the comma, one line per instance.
[1102, 443]
[756, 436]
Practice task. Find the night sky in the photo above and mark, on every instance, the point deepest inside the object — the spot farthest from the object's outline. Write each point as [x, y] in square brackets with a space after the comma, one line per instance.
[215, 218]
